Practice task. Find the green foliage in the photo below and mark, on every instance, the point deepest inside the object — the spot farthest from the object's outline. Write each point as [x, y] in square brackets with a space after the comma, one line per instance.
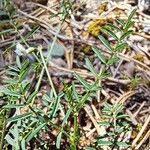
[19, 94]
[135, 82]
[115, 124]
[7, 10]
[66, 8]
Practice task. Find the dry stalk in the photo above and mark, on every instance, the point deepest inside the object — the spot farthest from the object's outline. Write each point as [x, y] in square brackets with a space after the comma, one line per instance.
[93, 120]
[141, 132]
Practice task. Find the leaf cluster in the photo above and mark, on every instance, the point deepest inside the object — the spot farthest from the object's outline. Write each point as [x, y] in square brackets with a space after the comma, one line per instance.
[30, 122]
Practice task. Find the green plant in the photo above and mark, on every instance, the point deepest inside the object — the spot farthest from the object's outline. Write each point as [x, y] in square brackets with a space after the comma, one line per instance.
[116, 125]
[20, 94]
[116, 122]
[76, 102]
[6, 9]
[27, 124]
[135, 82]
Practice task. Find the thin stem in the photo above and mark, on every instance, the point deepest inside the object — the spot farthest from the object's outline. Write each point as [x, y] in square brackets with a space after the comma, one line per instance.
[48, 57]
[47, 72]
[3, 132]
[50, 79]
[74, 138]
[47, 60]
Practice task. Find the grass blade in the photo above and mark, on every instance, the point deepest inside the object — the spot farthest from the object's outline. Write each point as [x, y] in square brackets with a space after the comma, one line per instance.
[58, 140]
[105, 42]
[55, 107]
[120, 22]
[31, 97]
[129, 25]
[121, 46]
[19, 117]
[67, 116]
[104, 143]
[90, 66]
[106, 30]
[126, 34]
[82, 81]
[131, 15]
[114, 27]
[34, 132]
[14, 106]
[99, 55]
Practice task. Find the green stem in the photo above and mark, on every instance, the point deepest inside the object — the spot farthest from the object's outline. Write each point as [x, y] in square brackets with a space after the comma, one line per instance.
[43, 69]
[74, 138]
[3, 131]
[48, 57]
[47, 72]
